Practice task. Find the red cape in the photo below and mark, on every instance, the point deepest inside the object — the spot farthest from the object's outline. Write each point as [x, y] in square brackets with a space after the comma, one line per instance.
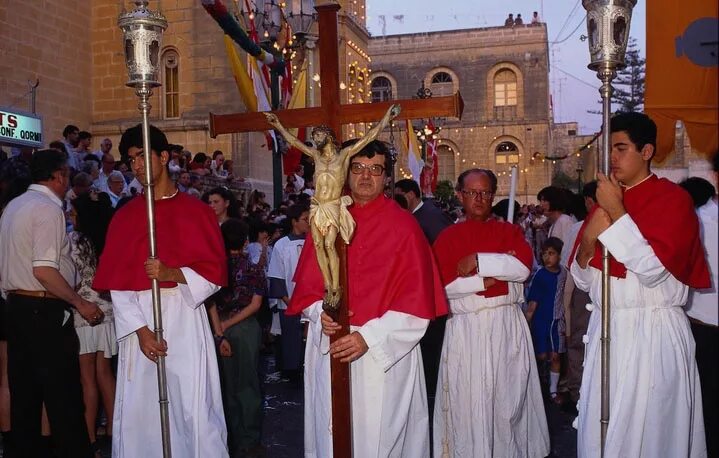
[491, 236]
[187, 236]
[390, 267]
[665, 216]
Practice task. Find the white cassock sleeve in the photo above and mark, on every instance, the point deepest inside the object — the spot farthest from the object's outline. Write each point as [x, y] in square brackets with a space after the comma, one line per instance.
[128, 313]
[391, 336]
[197, 288]
[501, 266]
[464, 286]
[625, 242]
[311, 315]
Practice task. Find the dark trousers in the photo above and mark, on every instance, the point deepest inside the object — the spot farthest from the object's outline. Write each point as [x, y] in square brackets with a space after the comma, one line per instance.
[431, 345]
[241, 383]
[43, 366]
[707, 342]
[291, 341]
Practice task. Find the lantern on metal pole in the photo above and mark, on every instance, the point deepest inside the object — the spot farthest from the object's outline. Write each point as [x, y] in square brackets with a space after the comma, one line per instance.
[608, 32]
[142, 36]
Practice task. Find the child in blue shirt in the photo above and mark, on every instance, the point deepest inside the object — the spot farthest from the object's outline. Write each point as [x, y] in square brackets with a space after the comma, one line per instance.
[545, 311]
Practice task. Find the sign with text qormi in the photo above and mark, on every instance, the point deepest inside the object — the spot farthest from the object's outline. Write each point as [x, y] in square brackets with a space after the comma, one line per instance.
[19, 128]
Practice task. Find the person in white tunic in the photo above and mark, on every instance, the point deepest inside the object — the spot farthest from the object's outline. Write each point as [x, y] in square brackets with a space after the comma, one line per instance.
[191, 266]
[394, 290]
[489, 402]
[652, 234]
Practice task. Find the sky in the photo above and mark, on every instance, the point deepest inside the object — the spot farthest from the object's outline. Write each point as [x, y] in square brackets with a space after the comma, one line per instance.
[574, 87]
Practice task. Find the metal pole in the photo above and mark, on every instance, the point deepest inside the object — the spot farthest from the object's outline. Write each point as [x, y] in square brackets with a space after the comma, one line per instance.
[276, 155]
[33, 95]
[606, 73]
[144, 91]
[512, 194]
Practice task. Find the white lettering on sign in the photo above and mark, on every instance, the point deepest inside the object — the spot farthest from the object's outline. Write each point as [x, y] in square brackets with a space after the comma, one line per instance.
[20, 128]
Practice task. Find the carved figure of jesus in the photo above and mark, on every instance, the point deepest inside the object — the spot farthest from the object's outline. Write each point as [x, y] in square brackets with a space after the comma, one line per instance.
[328, 210]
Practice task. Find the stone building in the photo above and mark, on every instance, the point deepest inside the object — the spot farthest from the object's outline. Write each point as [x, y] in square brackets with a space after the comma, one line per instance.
[502, 74]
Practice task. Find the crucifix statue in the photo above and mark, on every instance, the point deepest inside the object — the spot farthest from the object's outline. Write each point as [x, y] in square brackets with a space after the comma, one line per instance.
[334, 114]
[328, 210]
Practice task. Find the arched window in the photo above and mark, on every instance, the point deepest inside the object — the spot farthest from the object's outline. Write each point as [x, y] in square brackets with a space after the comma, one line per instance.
[445, 158]
[171, 83]
[442, 84]
[505, 88]
[381, 89]
[506, 153]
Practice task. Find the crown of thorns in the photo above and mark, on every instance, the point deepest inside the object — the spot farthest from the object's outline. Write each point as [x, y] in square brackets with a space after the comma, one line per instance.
[327, 132]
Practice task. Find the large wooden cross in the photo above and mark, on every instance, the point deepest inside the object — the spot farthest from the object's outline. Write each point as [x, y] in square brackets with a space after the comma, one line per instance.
[333, 114]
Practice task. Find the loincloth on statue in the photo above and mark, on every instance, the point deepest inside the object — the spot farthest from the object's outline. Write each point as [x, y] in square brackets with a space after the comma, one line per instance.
[324, 215]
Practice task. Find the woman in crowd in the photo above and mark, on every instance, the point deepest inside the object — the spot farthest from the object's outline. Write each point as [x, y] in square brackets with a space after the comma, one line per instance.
[90, 215]
[223, 203]
[238, 334]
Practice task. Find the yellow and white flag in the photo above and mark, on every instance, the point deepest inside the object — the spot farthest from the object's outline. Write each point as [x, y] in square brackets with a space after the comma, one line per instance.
[414, 154]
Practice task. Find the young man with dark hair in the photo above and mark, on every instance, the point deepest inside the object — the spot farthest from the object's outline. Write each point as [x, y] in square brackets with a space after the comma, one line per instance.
[190, 266]
[38, 275]
[490, 403]
[394, 290]
[430, 218]
[651, 231]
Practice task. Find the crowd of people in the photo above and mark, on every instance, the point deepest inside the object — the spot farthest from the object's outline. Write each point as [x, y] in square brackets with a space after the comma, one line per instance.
[464, 326]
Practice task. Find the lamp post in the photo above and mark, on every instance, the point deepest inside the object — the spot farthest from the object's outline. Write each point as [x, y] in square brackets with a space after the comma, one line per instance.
[579, 171]
[142, 34]
[608, 32]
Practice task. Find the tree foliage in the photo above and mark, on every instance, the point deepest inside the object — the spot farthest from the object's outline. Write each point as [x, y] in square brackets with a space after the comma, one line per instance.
[628, 94]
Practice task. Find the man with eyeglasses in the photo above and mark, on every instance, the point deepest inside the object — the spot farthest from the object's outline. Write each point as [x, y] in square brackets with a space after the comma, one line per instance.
[328, 209]
[394, 290]
[489, 402]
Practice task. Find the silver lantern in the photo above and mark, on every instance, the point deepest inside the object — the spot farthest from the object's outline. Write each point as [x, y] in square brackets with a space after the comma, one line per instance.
[142, 36]
[608, 31]
[142, 30]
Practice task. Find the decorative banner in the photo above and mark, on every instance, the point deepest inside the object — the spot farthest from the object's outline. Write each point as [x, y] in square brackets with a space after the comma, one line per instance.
[229, 25]
[243, 80]
[18, 128]
[292, 158]
[681, 77]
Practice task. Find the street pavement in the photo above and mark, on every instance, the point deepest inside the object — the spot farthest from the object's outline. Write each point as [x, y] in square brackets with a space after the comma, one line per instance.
[283, 420]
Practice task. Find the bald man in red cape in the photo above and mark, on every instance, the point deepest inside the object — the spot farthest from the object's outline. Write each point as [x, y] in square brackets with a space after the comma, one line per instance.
[191, 266]
[651, 231]
[394, 290]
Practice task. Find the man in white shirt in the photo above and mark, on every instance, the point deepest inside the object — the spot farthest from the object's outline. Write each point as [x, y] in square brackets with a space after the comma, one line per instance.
[70, 139]
[703, 315]
[281, 273]
[38, 277]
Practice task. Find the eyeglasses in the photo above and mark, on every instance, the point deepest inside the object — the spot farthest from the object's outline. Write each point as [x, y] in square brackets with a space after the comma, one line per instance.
[472, 194]
[374, 169]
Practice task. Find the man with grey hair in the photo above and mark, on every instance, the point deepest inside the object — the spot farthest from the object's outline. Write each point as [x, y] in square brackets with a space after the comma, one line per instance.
[105, 148]
[489, 401]
[81, 184]
[115, 187]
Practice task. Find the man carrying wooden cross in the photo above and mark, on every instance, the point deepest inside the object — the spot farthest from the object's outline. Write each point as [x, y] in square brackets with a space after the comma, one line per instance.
[328, 210]
[394, 290]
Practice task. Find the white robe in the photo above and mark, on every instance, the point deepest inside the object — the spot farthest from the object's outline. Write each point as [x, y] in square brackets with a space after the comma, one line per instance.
[197, 421]
[489, 403]
[655, 398]
[389, 401]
